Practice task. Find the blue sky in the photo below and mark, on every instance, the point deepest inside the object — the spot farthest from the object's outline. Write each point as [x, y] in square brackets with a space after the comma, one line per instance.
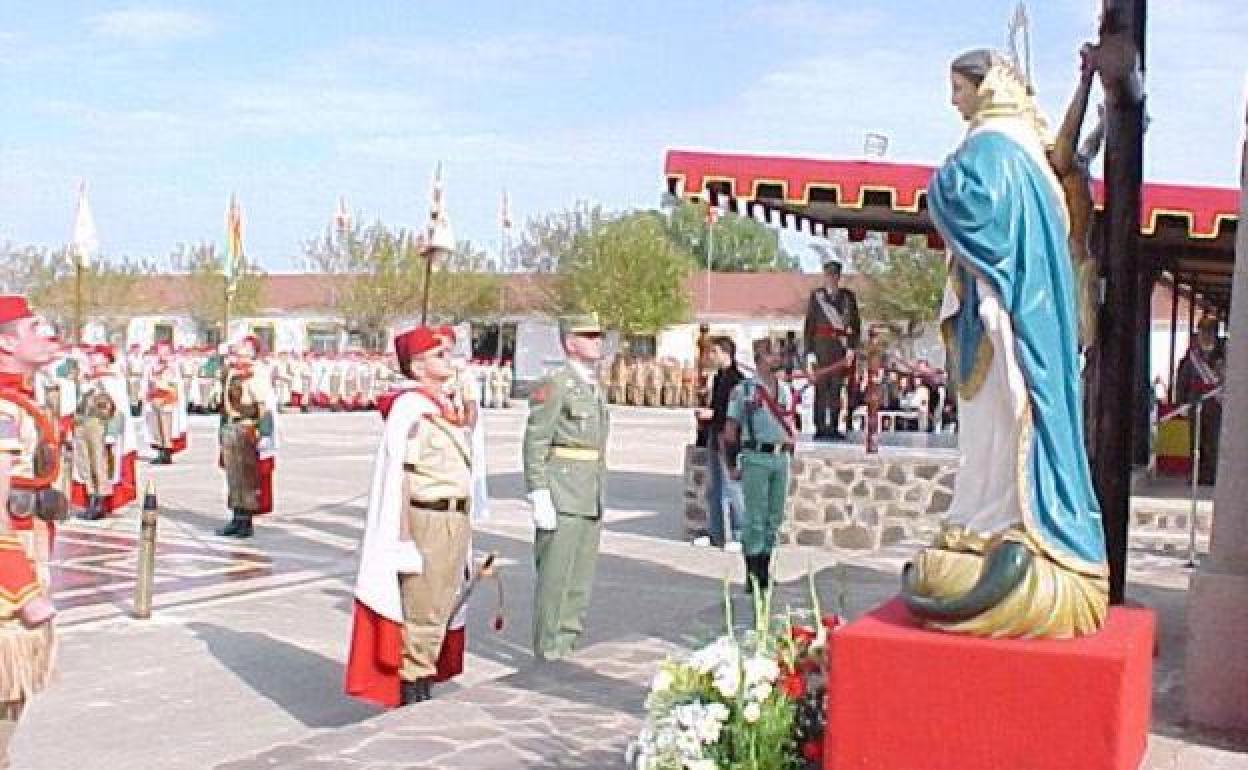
[165, 108]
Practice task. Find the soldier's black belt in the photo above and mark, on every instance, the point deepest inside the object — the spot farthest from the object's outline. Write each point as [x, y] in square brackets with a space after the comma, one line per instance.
[452, 504]
[769, 449]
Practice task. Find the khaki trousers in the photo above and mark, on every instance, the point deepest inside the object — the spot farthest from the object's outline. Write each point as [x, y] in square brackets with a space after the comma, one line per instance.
[442, 537]
[160, 425]
[93, 458]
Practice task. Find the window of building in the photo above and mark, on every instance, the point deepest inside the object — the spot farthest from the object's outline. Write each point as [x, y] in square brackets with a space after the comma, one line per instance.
[487, 343]
[641, 344]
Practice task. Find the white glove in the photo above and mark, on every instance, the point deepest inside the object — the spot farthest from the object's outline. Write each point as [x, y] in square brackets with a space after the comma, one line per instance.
[990, 311]
[544, 516]
[811, 361]
[407, 558]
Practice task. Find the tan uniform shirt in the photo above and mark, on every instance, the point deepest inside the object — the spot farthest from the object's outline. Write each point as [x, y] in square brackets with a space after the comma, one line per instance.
[437, 461]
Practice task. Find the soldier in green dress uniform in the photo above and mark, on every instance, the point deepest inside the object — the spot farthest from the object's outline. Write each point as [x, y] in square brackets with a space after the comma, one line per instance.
[564, 470]
[757, 440]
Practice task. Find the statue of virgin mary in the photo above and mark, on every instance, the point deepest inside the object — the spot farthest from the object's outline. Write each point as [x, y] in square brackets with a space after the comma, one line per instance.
[1022, 553]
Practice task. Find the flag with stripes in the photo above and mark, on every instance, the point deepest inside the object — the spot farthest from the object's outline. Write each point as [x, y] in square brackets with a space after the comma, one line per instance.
[233, 239]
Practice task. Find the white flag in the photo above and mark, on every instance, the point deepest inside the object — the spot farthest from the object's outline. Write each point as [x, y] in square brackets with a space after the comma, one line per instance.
[86, 243]
[439, 236]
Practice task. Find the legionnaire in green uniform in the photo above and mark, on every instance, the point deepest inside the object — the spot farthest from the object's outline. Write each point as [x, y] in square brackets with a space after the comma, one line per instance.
[757, 441]
[564, 470]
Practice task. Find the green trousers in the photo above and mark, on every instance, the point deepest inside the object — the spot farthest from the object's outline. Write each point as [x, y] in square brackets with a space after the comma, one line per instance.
[765, 483]
[566, 559]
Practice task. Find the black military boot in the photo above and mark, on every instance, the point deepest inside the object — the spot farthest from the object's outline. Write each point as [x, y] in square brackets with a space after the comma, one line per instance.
[415, 692]
[763, 565]
[751, 570]
[234, 527]
[244, 526]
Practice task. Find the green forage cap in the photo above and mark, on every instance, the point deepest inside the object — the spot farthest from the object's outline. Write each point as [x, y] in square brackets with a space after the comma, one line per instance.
[584, 323]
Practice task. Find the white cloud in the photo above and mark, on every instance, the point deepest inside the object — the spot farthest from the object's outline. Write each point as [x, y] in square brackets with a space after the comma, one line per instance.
[149, 26]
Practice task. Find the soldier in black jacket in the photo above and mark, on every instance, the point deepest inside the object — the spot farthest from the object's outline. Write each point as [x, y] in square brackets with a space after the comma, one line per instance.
[832, 327]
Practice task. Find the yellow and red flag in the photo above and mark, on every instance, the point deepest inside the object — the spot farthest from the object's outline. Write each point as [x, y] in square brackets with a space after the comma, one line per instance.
[233, 238]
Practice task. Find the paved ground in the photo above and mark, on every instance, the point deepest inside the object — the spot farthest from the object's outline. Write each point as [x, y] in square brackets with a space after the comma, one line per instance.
[241, 665]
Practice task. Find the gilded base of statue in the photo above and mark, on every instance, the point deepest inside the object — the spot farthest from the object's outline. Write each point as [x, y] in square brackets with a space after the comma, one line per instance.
[1004, 587]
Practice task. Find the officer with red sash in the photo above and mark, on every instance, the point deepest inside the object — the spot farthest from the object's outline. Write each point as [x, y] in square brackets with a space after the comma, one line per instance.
[832, 327]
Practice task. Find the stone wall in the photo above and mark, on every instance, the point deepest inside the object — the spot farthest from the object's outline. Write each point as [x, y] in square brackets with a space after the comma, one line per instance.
[840, 496]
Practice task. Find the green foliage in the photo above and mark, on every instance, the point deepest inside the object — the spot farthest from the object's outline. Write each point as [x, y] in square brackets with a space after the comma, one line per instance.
[549, 238]
[738, 244]
[376, 276]
[627, 271]
[903, 284]
[48, 279]
[204, 297]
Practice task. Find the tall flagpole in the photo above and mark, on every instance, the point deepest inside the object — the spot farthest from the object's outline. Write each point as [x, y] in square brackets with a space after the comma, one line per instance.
[504, 268]
[82, 248]
[710, 248]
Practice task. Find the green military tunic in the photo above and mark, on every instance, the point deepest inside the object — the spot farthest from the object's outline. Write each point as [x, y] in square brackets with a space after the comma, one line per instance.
[565, 451]
[764, 475]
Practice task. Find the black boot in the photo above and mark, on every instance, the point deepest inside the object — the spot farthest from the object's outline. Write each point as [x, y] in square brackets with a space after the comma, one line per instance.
[234, 527]
[751, 572]
[763, 565]
[244, 527]
[415, 692]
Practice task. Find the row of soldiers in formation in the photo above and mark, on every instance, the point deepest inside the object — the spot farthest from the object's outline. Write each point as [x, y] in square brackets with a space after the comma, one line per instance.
[349, 381]
[646, 381]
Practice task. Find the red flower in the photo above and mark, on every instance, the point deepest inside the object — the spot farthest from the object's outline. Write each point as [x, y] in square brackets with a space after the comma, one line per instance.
[793, 685]
[832, 622]
[812, 751]
[802, 635]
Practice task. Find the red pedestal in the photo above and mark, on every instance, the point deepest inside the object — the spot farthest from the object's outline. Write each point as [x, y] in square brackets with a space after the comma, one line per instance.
[902, 698]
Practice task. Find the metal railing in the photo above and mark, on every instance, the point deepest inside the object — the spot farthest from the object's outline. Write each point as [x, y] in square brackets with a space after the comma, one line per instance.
[1195, 408]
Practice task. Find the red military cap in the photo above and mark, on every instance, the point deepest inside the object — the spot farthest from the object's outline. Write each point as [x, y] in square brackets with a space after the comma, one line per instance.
[13, 307]
[416, 341]
[106, 351]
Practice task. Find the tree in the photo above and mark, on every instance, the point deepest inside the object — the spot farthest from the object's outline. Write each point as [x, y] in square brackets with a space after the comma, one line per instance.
[464, 286]
[902, 284]
[629, 272]
[47, 278]
[548, 239]
[377, 275]
[203, 298]
[740, 244]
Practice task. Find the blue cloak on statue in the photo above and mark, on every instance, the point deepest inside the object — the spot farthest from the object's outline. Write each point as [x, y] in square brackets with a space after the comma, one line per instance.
[1001, 216]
